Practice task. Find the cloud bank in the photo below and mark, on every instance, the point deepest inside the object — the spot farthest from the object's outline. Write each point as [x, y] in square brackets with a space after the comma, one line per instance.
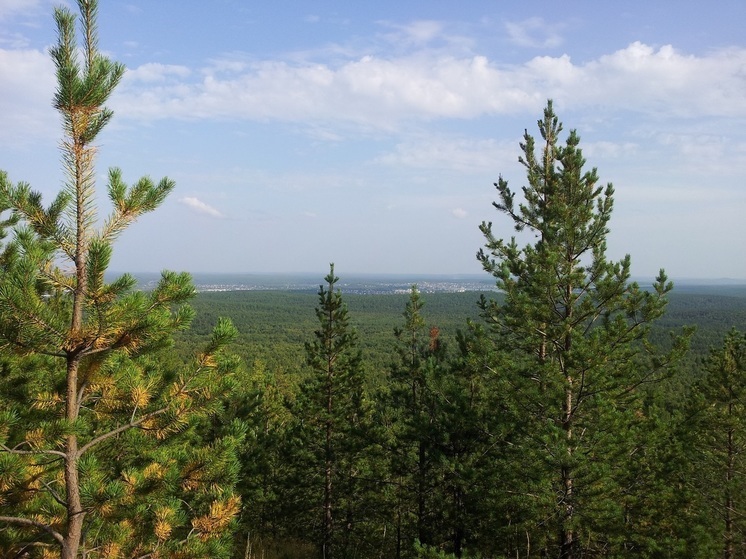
[386, 92]
[382, 92]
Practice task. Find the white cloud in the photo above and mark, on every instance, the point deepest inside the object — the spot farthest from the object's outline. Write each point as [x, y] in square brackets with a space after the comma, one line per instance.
[370, 91]
[154, 72]
[459, 213]
[27, 83]
[664, 81]
[200, 207]
[383, 92]
[534, 32]
[9, 8]
[610, 150]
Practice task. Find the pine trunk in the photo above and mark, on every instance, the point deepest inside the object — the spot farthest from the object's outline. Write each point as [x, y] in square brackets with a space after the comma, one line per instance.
[75, 514]
[328, 520]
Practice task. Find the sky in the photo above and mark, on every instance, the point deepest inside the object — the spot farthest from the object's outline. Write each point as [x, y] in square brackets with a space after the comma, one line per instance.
[370, 134]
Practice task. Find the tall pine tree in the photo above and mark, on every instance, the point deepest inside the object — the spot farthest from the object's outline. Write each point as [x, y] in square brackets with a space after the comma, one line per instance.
[415, 406]
[336, 421]
[718, 427]
[573, 332]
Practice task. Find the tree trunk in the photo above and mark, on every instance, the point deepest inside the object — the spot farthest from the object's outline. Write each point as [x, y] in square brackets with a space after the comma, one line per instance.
[421, 490]
[567, 539]
[728, 550]
[75, 514]
[326, 552]
[567, 536]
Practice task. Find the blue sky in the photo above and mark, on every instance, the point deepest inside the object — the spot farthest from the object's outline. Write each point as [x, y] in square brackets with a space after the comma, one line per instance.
[371, 133]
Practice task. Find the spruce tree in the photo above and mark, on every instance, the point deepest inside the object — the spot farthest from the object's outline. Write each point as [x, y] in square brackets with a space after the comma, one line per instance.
[90, 406]
[572, 331]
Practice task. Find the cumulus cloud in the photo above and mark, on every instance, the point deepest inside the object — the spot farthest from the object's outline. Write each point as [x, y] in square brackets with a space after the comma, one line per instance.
[200, 207]
[383, 92]
[459, 213]
[373, 91]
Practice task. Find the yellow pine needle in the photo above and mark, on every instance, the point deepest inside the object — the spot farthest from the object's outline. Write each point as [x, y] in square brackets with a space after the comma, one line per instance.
[140, 396]
[111, 550]
[34, 481]
[163, 526]
[35, 438]
[154, 471]
[206, 360]
[220, 516]
[162, 530]
[46, 401]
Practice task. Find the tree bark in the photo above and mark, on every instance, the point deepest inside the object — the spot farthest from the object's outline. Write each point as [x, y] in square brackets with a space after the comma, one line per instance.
[75, 513]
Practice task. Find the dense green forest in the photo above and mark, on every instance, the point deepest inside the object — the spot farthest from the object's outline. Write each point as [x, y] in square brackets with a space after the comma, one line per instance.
[571, 413]
[273, 325]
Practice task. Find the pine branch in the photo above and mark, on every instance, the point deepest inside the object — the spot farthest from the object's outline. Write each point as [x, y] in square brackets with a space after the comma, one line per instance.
[121, 429]
[18, 452]
[27, 523]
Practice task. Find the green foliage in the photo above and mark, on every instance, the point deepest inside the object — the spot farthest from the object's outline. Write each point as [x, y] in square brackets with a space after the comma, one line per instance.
[423, 551]
[563, 424]
[572, 341]
[414, 416]
[336, 421]
[717, 415]
[105, 442]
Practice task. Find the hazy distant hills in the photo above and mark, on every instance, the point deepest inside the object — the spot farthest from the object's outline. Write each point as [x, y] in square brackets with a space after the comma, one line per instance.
[398, 283]
[352, 283]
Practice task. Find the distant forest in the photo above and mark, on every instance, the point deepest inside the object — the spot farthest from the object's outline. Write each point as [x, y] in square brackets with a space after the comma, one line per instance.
[446, 508]
[273, 325]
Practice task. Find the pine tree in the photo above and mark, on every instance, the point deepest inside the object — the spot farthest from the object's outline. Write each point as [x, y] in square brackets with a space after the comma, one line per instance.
[573, 332]
[448, 437]
[336, 418]
[415, 406]
[90, 405]
[719, 428]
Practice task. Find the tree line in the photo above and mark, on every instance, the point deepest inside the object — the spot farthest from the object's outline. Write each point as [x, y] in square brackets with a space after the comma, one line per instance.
[542, 429]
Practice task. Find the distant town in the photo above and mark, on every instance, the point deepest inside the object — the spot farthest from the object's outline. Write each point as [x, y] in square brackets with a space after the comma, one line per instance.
[354, 283]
